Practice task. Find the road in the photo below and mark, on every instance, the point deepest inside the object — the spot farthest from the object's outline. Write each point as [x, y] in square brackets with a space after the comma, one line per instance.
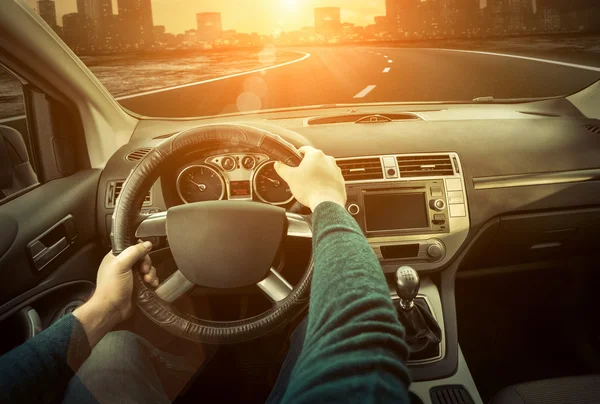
[351, 75]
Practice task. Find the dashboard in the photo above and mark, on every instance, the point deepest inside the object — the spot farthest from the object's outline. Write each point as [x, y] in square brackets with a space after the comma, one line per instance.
[421, 190]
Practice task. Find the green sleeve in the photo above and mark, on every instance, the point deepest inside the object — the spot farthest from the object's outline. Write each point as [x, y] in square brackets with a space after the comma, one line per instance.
[354, 349]
[38, 371]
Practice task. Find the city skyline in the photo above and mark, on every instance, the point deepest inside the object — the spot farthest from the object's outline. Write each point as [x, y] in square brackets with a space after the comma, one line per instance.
[268, 16]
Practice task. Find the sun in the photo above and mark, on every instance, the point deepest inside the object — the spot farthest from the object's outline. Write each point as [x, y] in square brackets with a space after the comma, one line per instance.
[289, 4]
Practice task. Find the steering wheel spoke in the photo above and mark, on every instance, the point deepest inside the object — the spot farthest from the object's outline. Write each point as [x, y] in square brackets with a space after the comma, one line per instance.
[174, 287]
[154, 225]
[298, 226]
[274, 286]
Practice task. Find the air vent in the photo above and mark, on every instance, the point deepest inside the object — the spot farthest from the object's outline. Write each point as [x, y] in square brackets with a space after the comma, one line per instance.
[456, 394]
[425, 166]
[361, 169]
[114, 190]
[593, 128]
[138, 154]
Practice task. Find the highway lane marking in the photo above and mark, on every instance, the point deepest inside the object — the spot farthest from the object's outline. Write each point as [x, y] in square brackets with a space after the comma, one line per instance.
[387, 69]
[506, 55]
[365, 91]
[379, 53]
[160, 90]
[390, 61]
[385, 56]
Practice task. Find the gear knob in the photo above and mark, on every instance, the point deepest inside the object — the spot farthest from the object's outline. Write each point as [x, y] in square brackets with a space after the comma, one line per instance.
[407, 286]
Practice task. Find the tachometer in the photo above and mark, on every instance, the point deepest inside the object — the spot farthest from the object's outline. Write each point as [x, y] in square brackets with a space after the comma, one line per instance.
[270, 187]
[199, 183]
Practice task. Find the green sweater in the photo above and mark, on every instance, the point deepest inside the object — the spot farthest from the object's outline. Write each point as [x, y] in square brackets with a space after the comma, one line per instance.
[354, 349]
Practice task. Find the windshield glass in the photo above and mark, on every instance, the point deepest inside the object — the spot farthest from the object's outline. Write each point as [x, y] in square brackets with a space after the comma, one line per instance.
[187, 58]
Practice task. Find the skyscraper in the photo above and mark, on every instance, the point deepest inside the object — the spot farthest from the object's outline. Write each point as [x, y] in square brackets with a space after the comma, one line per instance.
[47, 10]
[209, 27]
[96, 17]
[328, 20]
[401, 15]
[136, 23]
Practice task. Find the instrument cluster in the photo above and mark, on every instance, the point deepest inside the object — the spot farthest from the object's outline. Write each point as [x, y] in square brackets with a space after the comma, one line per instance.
[234, 176]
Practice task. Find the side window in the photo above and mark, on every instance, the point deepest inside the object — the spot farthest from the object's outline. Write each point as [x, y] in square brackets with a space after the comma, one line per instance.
[16, 169]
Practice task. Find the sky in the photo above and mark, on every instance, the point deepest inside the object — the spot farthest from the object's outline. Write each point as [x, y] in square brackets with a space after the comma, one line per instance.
[262, 16]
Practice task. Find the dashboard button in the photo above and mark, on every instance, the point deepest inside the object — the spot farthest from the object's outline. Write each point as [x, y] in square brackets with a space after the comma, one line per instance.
[458, 210]
[453, 184]
[436, 192]
[353, 209]
[455, 197]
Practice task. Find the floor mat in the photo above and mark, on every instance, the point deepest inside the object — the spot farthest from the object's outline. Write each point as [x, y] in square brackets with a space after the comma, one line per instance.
[523, 326]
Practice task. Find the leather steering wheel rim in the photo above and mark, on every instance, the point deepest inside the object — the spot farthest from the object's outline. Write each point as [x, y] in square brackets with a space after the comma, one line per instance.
[126, 217]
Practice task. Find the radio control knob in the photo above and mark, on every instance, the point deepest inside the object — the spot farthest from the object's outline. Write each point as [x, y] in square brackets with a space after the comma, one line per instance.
[435, 251]
[353, 209]
[437, 204]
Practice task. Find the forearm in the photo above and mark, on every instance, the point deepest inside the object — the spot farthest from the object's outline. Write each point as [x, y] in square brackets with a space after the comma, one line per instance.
[354, 340]
[96, 319]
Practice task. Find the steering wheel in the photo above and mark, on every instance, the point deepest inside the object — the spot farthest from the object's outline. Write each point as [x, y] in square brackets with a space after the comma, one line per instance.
[208, 241]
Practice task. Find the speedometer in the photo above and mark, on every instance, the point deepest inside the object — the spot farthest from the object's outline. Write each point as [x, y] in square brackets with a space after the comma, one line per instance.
[199, 183]
[270, 187]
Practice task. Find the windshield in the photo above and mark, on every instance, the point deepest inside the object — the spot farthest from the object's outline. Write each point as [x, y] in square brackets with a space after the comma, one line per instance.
[189, 58]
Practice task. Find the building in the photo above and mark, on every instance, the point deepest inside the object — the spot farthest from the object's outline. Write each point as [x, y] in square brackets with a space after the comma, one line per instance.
[47, 10]
[209, 27]
[136, 23]
[97, 18]
[72, 31]
[328, 21]
[402, 16]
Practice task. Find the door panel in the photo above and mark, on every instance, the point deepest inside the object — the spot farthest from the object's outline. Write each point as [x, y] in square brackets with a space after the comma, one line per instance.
[41, 212]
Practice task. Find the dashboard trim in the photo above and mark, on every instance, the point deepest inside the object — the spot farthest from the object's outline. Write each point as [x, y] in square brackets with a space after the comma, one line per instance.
[548, 178]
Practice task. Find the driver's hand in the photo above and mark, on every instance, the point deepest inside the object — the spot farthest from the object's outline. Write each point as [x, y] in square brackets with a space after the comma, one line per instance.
[317, 179]
[114, 283]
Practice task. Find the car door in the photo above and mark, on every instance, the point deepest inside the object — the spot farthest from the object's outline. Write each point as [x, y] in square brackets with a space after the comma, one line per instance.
[49, 253]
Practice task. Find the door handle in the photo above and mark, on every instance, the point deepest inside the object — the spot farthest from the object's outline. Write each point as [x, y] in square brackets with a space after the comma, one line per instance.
[45, 254]
[44, 249]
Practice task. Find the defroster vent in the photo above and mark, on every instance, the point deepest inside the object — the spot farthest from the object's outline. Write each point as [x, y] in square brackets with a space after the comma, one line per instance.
[138, 154]
[425, 166]
[363, 169]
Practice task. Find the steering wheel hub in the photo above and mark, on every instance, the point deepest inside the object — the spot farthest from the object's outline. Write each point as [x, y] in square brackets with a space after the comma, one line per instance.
[225, 244]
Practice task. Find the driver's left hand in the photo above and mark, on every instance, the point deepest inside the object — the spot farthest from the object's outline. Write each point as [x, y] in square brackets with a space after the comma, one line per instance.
[114, 284]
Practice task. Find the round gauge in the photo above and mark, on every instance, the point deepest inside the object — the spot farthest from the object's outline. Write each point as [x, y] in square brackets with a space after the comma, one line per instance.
[269, 187]
[200, 183]
[228, 163]
[248, 162]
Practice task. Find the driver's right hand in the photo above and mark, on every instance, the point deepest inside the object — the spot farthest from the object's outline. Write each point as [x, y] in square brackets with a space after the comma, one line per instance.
[317, 179]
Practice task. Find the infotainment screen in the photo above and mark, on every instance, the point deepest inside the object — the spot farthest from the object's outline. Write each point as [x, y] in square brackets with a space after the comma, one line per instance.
[395, 211]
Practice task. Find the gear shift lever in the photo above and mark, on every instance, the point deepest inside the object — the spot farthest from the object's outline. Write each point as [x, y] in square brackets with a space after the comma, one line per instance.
[407, 286]
[423, 333]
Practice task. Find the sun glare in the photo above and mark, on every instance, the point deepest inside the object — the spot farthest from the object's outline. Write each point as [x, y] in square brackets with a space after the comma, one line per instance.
[289, 4]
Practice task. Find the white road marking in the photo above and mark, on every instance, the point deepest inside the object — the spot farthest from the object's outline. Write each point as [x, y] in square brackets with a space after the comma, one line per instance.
[365, 91]
[379, 53]
[387, 69]
[390, 61]
[553, 62]
[385, 56]
[306, 56]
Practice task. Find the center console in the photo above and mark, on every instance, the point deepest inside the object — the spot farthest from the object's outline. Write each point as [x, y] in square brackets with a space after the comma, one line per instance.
[412, 208]
[414, 212]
